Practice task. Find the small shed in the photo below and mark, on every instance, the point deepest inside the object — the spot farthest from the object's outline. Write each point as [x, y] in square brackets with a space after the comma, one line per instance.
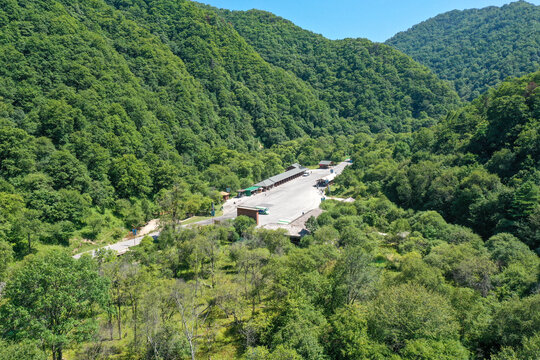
[325, 164]
[248, 211]
[225, 195]
[251, 190]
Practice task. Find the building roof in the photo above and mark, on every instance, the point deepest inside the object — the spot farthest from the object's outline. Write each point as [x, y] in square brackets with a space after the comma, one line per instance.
[297, 227]
[287, 174]
[252, 188]
[295, 169]
[224, 193]
[325, 162]
[265, 183]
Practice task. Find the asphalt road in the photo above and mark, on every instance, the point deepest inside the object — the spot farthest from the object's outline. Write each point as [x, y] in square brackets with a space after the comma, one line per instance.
[120, 247]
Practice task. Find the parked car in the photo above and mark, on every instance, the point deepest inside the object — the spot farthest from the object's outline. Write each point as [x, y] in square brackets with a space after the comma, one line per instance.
[262, 210]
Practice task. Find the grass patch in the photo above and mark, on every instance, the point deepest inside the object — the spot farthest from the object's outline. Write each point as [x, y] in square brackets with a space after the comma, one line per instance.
[195, 219]
[110, 230]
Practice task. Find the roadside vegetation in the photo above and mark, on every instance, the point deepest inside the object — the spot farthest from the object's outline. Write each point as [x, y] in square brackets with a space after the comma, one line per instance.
[371, 281]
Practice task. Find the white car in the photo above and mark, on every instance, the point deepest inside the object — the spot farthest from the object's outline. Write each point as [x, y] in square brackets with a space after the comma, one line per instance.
[306, 174]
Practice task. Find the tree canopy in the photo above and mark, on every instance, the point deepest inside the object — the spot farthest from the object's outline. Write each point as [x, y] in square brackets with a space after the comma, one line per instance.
[476, 48]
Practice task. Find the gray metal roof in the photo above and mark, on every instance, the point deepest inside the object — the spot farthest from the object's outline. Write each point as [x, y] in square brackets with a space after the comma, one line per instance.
[325, 162]
[287, 174]
[298, 169]
[265, 183]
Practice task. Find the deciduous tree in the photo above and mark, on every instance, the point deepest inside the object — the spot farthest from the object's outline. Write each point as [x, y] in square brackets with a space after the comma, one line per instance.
[53, 297]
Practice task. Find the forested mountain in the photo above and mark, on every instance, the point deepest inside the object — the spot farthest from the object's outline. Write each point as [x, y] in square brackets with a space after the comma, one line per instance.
[244, 88]
[98, 113]
[117, 112]
[480, 167]
[365, 82]
[476, 48]
[429, 262]
[102, 102]
[148, 65]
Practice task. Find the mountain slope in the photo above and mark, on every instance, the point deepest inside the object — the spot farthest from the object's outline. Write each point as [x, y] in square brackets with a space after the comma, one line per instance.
[364, 81]
[94, 108]
[51, 59]
[103, 106]
[479, 167]
[476, 48]
[242, 84]
[500, 128]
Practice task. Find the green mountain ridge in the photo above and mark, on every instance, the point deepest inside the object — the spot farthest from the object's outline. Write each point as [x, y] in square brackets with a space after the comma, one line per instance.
[479, 167]
[365, 82]
[476, 48]
[117, 112]
[243, 87]
[103, 103]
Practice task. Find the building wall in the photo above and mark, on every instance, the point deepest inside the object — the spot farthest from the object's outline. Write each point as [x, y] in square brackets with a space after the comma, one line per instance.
[326, 166]
[252, 213]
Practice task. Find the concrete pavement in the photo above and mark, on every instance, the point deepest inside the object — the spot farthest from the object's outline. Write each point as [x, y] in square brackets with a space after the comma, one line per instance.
[286, 203]
[120, 247]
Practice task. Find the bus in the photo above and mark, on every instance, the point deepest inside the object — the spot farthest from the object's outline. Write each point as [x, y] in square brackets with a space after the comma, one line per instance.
[262, 210]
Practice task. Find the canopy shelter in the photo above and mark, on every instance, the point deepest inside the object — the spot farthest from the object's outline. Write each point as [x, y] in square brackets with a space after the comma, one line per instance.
[225, 195]
[295, 171]
[325, 164]
[251, 190]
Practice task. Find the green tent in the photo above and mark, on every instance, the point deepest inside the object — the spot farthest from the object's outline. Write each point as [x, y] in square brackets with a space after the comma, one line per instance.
[250, 190]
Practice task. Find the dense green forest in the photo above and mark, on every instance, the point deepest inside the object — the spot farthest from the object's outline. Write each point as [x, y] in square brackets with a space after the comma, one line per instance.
[476, 48]
[348, 291]
[480, 167]
[116, 112]
[102, 108]
[365, 82]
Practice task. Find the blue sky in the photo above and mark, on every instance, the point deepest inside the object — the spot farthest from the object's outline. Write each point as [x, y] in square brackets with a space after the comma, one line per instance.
[376, 20]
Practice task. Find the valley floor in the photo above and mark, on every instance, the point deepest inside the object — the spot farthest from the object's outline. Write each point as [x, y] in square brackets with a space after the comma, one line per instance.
[286, 203]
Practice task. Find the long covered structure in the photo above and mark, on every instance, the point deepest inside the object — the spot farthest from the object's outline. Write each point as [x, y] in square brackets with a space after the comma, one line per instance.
[294, 171]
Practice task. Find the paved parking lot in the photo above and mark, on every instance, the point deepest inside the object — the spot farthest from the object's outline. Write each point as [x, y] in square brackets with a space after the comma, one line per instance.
[285, 202]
